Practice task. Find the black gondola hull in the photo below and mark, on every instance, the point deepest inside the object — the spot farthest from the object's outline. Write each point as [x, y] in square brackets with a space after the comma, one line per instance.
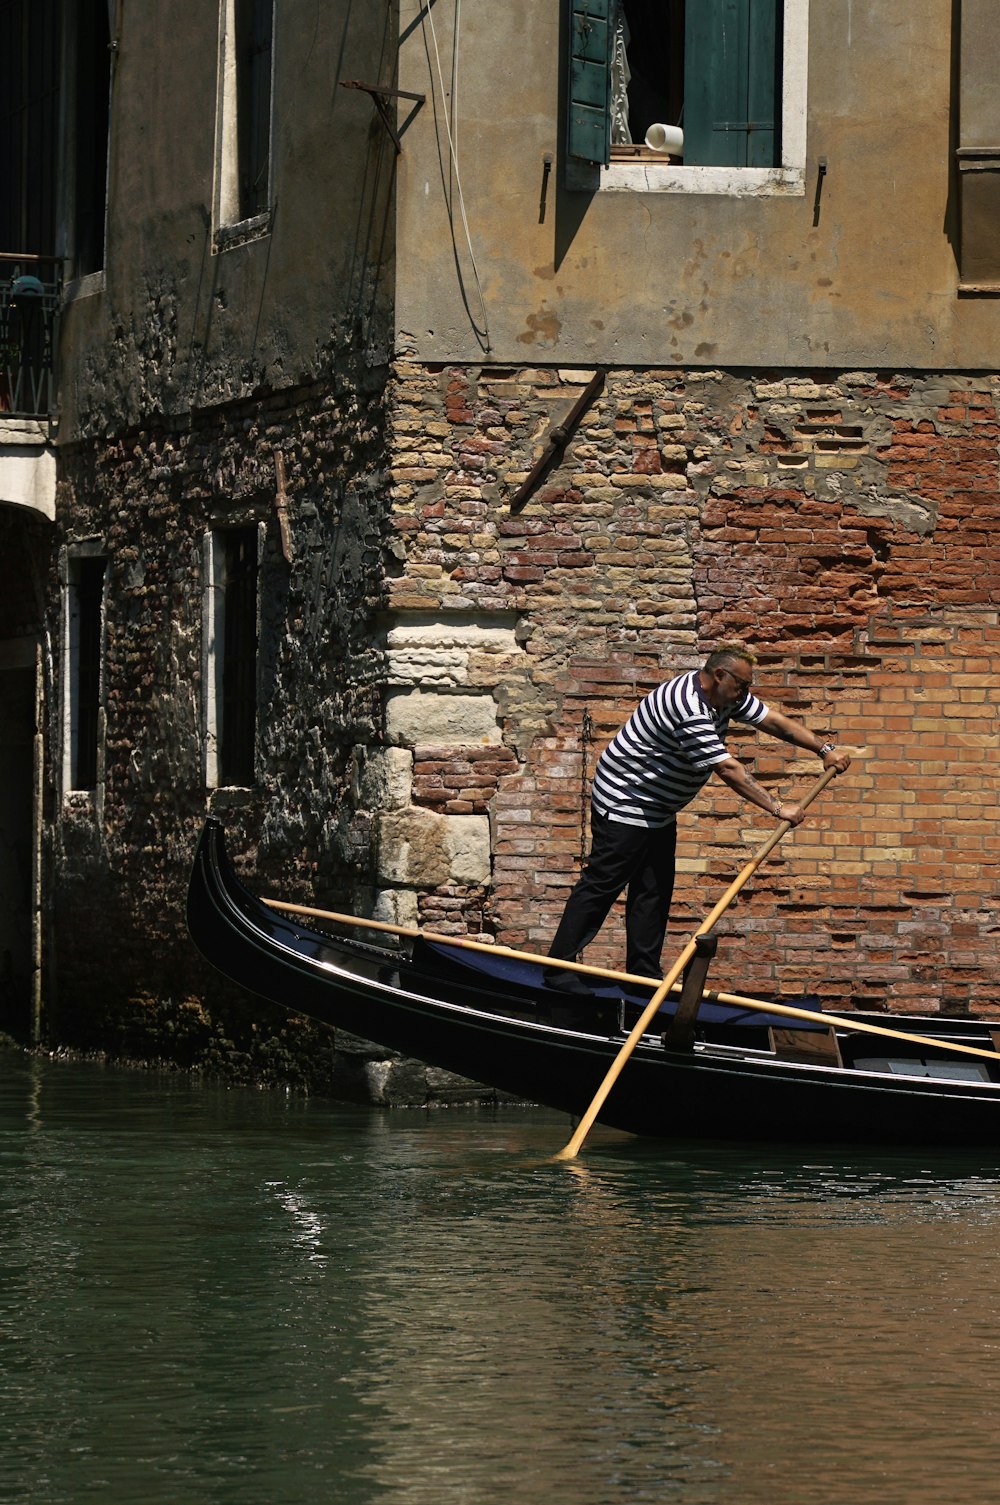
[713, 1090]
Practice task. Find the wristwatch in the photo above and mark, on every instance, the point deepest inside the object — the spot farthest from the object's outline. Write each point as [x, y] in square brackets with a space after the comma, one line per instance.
[828, 747]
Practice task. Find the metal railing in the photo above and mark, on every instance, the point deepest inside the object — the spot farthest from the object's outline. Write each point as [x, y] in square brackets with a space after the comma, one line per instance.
[30, 293]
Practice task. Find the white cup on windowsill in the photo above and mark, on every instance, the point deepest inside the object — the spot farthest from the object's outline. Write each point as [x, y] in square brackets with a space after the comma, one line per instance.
[666, 138]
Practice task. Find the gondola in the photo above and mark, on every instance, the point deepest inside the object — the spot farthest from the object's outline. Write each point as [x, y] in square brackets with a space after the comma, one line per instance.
[735, 1072]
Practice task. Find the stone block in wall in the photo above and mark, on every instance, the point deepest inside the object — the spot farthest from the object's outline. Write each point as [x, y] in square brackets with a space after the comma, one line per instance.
[381, 777]
[417, 718]
[441, 652]
[419, 848]
[396, 906]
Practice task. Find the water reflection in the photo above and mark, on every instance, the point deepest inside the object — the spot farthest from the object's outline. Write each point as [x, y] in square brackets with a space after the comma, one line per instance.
[233, 1296]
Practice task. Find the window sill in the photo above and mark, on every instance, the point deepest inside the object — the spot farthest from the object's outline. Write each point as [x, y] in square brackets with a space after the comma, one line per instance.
[88, 286]
[646, 176]
[80, 802]
[229, 237]
[231, 797]
[25, 433]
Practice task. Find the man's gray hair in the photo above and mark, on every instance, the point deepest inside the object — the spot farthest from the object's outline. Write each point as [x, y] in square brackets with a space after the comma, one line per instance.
[726, 652]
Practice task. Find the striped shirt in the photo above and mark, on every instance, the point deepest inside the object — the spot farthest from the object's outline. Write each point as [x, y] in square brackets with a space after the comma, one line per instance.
[665, 752]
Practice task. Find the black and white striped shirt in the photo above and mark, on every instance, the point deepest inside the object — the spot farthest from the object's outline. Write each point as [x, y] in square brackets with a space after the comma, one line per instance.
[665, 753]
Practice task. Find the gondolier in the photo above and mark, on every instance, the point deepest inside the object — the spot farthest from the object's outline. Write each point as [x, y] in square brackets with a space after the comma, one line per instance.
[661, 758]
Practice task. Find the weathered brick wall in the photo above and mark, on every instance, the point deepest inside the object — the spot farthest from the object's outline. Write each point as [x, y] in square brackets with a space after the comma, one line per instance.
[117, 870]
[843, 526]
[440, 675]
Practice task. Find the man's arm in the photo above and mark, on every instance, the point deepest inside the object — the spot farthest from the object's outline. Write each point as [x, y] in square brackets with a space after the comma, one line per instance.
[735, 775]
[787, 730]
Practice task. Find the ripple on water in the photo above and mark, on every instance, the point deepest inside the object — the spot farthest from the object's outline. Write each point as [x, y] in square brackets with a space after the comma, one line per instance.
[234, 1296]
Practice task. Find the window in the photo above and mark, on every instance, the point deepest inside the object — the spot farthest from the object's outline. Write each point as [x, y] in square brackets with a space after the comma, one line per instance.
[977, 154]
[82, 661]
[231, 657]
[39, 93]
[29, 117]
[244, 129]
[687, 95]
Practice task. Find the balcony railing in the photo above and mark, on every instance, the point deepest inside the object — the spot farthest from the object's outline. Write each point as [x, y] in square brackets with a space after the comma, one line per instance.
[30, 290]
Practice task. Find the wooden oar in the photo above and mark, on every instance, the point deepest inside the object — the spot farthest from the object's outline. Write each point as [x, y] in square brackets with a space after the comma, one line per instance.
[572, 1148]
[634, 979]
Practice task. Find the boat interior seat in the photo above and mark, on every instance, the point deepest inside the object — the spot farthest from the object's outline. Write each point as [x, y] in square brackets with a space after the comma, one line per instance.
[608, 1007]
[817, 1047]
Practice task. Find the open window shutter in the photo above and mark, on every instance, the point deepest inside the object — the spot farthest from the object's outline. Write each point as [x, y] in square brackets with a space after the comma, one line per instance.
[731, 83]
[589, 86]
[763, 84]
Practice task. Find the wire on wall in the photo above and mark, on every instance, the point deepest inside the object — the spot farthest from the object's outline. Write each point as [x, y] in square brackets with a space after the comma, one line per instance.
[450, 117]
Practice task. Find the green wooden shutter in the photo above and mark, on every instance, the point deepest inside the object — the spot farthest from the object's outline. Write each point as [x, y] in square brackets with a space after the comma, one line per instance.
[588, 92]
[764, 84]
[732, 83]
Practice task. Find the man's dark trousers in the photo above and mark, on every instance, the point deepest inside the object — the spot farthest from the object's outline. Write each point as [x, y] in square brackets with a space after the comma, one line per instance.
[640, 858]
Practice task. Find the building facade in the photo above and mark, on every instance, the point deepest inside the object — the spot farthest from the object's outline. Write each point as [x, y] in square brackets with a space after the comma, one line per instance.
[412, 417]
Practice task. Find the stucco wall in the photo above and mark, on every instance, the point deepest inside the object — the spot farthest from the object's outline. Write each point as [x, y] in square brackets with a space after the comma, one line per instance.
[174, 322]
[636, 278]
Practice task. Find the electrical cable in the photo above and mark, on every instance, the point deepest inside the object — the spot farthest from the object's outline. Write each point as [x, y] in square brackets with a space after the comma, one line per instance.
[447, 113]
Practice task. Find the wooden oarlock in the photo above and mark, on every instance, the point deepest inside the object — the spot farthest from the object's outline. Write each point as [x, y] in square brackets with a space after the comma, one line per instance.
[679, 1034]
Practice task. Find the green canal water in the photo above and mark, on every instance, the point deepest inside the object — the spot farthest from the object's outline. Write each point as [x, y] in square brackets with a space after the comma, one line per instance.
[230, 1296]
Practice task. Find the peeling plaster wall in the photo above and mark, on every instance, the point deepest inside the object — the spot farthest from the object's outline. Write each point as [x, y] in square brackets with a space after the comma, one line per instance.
[181, 319]
[184, 366]
[858, 270]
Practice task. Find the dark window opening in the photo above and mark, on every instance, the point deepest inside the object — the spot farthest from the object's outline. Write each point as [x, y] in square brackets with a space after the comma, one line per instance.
[655, 52]
[254, 26]
[705, 75]
[88, 583]
[29, 120]
[237, 743]
[92, 118]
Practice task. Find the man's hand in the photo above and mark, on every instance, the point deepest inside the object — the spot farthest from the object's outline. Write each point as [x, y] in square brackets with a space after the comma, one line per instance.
[837, 758]
[794, 814]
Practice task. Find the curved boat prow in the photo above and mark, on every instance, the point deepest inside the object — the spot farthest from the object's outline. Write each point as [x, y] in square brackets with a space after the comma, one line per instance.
[216, 901]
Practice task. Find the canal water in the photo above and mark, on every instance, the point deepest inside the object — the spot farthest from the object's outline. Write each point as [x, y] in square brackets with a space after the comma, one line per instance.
[231, 1296]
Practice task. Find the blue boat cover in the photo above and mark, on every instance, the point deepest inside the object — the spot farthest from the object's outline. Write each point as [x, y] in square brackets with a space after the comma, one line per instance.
[528, 975]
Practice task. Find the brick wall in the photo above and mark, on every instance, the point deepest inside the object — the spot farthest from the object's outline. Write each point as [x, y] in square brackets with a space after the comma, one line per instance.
[842, 526]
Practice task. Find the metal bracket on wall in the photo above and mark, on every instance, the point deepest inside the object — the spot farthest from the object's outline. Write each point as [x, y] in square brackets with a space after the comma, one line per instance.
[281, 507]
[379, 97]
[558, 440]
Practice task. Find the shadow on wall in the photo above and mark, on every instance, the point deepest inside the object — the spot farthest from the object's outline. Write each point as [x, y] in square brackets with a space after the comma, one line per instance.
[374, 238]
[571, 208]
